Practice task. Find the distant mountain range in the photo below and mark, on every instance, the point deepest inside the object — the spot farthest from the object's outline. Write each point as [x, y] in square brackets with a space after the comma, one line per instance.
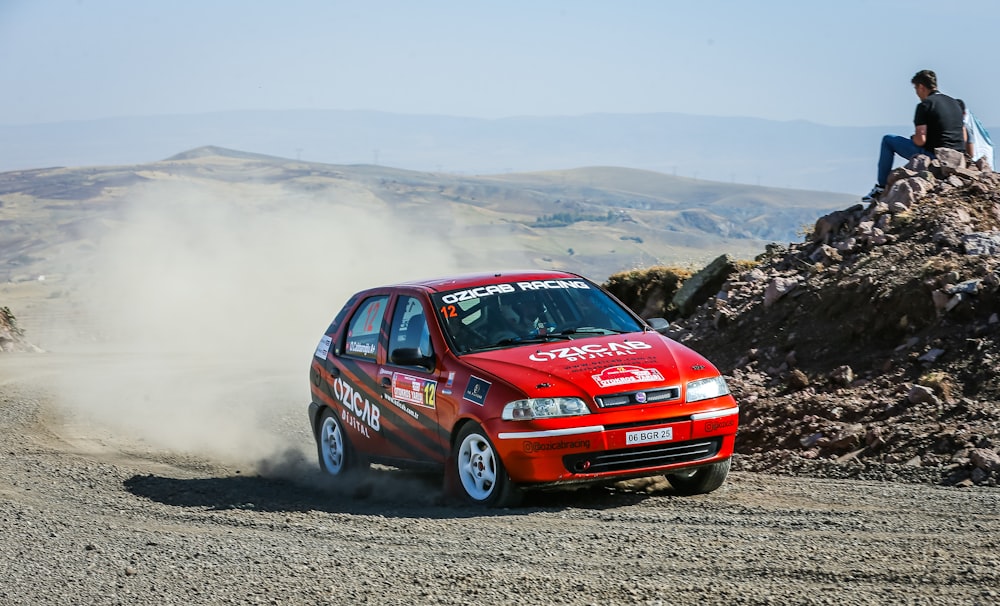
[794, 154]
[597, 220]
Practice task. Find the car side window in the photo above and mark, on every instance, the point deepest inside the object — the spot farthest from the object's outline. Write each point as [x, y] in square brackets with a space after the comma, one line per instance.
[364, 328]
[409, 329]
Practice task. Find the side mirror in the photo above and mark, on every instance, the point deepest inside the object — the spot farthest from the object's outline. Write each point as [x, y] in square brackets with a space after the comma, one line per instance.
[660, 325]
[410, 356]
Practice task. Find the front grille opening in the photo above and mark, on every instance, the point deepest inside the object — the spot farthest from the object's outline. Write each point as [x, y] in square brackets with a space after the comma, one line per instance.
[642, 457]
[635, 398]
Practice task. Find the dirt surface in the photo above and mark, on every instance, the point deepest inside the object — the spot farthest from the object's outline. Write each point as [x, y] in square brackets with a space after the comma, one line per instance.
[90, 517]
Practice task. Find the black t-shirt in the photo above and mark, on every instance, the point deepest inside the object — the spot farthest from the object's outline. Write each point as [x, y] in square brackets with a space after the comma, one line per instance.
[943, 117]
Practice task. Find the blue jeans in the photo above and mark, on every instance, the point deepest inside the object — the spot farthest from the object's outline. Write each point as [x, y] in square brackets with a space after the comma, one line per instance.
[892, 145]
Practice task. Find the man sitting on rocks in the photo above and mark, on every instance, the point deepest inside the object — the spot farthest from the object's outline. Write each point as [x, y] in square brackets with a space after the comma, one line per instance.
[938, 122]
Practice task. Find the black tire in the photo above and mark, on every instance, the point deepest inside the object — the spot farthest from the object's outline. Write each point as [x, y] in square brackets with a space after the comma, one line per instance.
[337, 458]
[482, 478]
[701, 480]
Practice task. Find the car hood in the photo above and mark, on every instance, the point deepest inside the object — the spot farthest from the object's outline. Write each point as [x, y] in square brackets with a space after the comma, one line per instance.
[594, 366]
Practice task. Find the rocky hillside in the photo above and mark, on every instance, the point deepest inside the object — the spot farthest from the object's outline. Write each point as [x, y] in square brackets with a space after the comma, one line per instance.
[11, 335]
[871, 348]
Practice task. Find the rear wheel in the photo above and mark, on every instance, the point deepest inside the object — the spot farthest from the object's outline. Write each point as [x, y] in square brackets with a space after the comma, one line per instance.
[480, 471]
[336, 457]
[700, 480]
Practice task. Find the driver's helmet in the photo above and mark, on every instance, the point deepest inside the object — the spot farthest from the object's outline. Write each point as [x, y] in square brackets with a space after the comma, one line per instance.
[523, 310]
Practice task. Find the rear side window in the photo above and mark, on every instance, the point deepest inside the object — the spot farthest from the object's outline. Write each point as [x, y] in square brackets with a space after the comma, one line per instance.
[364, 328]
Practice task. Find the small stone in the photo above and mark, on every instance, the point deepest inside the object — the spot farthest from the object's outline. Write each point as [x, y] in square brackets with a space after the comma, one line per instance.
[919, 394]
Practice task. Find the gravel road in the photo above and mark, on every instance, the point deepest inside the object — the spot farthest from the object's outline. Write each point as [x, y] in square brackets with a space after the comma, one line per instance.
[88, 516]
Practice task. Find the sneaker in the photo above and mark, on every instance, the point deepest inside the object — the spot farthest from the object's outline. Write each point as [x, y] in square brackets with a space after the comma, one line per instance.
[873, 194]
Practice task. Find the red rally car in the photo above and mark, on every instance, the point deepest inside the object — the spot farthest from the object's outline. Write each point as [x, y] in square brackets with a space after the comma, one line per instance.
[514, 381]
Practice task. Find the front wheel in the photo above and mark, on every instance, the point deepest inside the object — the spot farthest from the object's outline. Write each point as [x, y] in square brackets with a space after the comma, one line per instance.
[480, 471]
[701, 480]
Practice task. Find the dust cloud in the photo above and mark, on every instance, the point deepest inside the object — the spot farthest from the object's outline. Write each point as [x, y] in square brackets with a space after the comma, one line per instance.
[208, 302]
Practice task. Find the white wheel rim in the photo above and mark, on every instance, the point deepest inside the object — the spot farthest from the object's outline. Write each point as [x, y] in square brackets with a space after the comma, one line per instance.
[332, 444]
[477, 467]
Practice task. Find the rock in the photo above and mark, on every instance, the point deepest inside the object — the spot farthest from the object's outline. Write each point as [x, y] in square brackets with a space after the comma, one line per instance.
[985, 459]
[919, 394]
[847, 438]
[778, 288]
[811, 440]
[940, 299]
[949, 160]
[839, 222]
[842, 375]
[932, 355]
[981, 243]
[918, 164]
[905, 193]
[968, 287]
[797, 379]
[703, 285]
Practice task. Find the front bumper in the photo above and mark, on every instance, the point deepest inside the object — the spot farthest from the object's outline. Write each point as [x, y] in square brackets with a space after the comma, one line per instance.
[597, 452]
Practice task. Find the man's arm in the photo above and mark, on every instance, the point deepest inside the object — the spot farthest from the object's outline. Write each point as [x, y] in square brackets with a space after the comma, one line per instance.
[919, 137]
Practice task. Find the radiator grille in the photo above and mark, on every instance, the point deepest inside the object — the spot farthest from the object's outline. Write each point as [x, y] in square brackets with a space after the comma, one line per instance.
[633, 398]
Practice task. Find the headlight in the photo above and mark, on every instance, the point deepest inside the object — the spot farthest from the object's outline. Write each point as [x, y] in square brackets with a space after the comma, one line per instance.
[544, 408]
[703, 389]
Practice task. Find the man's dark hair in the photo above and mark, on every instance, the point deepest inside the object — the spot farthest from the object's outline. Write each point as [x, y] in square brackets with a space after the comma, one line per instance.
[926, 77]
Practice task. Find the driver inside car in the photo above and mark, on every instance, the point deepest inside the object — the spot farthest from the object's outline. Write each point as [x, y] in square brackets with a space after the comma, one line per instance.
[525, 315]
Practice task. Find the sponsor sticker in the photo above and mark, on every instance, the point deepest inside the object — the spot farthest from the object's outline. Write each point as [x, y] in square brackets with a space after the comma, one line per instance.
[359, 412]
[415, 390]
[625, 375]
[476, 390]
[714, 425]
[402, 406]
[360, 348]
[591, 351]
[324, 347]
[499, 289]
[530, 446]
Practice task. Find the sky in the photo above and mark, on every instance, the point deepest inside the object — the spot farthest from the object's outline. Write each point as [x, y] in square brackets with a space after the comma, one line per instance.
[846, 63]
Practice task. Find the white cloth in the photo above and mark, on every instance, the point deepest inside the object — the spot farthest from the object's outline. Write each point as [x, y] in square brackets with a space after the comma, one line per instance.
[982, 146]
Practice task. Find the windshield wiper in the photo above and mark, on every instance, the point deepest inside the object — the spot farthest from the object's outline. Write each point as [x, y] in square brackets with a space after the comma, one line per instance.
[591, 330]
[507, 341]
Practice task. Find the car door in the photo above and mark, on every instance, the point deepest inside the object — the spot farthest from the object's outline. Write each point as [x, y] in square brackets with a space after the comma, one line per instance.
[355, 384]
[409, 383]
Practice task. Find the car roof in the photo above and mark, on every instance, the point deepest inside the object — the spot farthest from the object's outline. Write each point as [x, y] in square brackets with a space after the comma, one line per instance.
[460, 281]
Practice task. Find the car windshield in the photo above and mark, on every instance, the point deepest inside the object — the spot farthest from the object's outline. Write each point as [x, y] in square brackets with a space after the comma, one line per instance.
[517, 313]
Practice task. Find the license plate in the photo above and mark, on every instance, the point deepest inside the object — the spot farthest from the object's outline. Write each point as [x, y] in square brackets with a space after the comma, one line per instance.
[647, 436]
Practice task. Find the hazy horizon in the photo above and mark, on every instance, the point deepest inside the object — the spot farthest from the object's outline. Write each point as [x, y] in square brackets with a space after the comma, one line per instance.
[782, 154]
[93, 59]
